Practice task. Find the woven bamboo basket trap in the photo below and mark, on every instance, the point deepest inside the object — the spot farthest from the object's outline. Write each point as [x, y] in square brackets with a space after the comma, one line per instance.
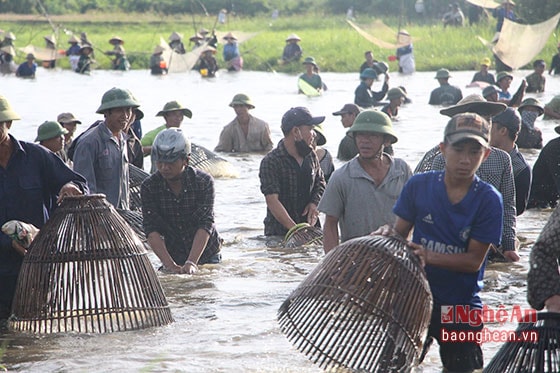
[136, 177]
[366, 307]
[535, 347]
[87, 271]
[303, 235]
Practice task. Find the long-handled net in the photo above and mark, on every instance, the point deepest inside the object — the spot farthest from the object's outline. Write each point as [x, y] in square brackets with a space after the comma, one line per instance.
[366, 306]
[87, 271]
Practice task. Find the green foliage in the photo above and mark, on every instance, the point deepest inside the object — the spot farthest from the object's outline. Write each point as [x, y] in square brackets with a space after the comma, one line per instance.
[333, 43]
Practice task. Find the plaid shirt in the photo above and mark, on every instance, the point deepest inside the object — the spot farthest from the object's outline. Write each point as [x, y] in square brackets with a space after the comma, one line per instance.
[177, 218]
[497, 171]
[281, 174]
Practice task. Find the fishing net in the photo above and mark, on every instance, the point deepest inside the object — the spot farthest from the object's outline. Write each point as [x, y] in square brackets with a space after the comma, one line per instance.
[208, 161]
[86, 271]
[303, 235]
[366, 306]
[535, 347]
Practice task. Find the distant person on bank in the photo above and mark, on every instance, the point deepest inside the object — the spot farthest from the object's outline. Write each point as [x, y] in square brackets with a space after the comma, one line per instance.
[292, 51]
[245, 133]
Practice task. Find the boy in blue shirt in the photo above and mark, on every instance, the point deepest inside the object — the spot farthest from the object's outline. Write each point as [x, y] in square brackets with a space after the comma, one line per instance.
[456, 217]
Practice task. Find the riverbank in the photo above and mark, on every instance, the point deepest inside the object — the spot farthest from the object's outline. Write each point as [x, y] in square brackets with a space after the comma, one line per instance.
[336, 46]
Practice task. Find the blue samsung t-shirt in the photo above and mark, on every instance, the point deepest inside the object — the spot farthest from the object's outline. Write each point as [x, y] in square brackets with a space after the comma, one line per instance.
[444, 227]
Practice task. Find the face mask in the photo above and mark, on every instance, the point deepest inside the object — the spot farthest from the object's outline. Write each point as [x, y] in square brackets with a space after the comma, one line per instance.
[529, 118]
[302, 148]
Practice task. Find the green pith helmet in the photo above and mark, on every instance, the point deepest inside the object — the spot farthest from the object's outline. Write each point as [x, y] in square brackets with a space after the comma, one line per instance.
[368, 73]
[442, 74]
[528, 102]
[242, 99]
[49, 130]
[373, 121]
[6, 111]
[174, 106]
[117, 97]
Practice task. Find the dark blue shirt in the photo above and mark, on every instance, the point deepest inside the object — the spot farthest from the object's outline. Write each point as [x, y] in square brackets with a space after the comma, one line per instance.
[74, 50]
[28, 185]
[24, 70]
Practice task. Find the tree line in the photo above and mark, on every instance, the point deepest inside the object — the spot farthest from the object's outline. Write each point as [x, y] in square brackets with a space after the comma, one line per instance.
[531, 11]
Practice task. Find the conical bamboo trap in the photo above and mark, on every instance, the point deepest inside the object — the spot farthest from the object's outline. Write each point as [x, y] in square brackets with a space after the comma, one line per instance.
[87, 271]
[366, 307]
[536, 347]
[136, 177]
[303, 235]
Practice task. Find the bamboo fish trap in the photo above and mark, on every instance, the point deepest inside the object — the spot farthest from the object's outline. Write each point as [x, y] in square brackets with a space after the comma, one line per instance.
[303, 235]
[136, 178]
[87, 271]
[366, 307]
[535, 347]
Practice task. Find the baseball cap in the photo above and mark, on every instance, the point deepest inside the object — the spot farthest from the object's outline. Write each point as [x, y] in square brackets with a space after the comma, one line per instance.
[510, 119]
[348, 109]
[299, 116]
[490, 90]
[467, 126]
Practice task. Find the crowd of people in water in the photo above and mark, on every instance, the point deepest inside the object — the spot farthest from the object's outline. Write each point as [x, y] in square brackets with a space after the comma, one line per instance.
[458, 207]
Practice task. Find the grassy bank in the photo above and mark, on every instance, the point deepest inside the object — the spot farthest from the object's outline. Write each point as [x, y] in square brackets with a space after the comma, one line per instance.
[334, 44]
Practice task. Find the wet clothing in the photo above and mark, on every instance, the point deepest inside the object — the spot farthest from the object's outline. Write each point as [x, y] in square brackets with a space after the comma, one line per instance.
[231, 51]
[30, 183]
[501, 13]
[497, 170]
[529, 138]
[555, 65]
[480, 77]
[521, 178]
[314, 80]
[292, 52]
[327, 165]
[178, 218]
[545, 187]
[158, 66]
[103, 160]
[446, 94]
[543, 279]
[391, 113]
[296, 185]
[447, 228]
[535, 83]
[207, 66]
[358, 203]
[25, 70]
[177, 46]
[366, 98]
[405, 55]
[84, 64]
[233, 139]
[347, 148]
[366, 65]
